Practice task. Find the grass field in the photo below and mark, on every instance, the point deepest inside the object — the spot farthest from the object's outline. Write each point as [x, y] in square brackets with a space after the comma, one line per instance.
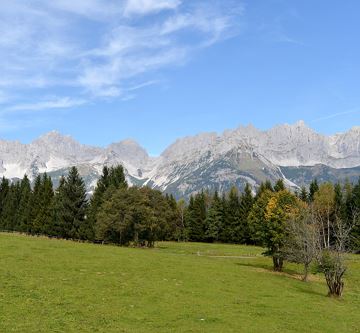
[62, 286]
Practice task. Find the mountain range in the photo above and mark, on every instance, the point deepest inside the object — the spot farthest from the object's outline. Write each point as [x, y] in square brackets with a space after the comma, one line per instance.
[295, 153]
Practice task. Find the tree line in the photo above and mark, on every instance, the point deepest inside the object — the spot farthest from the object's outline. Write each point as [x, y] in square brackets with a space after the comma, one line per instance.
[115, 213]
[311, 225]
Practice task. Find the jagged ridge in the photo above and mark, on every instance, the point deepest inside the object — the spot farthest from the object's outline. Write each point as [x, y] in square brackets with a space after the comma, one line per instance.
[207, 160]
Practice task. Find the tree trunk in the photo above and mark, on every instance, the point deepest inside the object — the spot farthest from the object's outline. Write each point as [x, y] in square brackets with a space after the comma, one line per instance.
[328, 230]
[335, 284]
[306, 272]
[278, 264]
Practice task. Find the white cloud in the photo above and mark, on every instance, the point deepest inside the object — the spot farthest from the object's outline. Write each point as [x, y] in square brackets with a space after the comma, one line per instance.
[132, 51]
[96, 10]
[57, 103]
[99, 48]
[144, 7]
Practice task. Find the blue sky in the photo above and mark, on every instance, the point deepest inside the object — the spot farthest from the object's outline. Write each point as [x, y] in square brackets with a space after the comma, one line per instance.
[156, 70]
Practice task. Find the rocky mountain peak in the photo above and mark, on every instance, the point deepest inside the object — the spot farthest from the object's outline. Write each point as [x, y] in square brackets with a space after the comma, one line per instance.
[245, 154]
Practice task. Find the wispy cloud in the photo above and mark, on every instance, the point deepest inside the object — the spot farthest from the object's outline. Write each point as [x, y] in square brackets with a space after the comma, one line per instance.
[57, 103]
[145, 7]
[129, 51]
[93, 49]
[338, 114]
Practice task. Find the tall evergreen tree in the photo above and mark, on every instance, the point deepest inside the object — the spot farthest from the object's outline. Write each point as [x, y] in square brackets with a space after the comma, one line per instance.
[354, 213]
[71, 206]
[246, 204]
[11, 206]
[23, 213]
[35, 206]
[233, 227]
[314, 187]
[214, 219]
[264, 186]
[304, 194]
[47, 205]
[4, 190]
[41, 205]
[196, 217]
[279, 185]
[117, 177]
[58, 226]
[339, 201]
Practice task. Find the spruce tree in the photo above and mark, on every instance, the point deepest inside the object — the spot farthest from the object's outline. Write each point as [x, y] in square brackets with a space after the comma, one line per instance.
[215, 219]
[71, 206]
[41, 205]
[11, 205]
[355, 214]
[246, 203]
[4, 190]
[314, 187]
[35, 207]
[58, 226]
[196, 217]
[23, 213]
[233, 231]
[171, 230]
[117, 177]
[340, 209]
[303, 194]
[279, 186]
[264, 187]
[47, 203]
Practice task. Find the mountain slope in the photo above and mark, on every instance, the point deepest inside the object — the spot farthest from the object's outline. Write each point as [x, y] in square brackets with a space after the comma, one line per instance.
[295, 153]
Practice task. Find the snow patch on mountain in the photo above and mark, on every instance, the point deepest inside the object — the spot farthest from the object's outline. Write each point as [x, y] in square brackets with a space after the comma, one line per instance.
[244, 154]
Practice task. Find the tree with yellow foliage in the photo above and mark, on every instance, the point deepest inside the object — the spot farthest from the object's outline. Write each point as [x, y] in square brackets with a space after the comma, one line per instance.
[269, 218]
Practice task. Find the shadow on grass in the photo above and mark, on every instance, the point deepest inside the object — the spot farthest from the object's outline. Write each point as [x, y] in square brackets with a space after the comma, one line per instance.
[287, 272]
[254, 265]
[305, 288]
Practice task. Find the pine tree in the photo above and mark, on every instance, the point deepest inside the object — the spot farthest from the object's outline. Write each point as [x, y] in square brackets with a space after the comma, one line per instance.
[279, 186]
[233, 231]
[340, 209]
[246, 204]
[314, 187]
[355, 213]
[196, 217]
[4, 190]
[181, 232]
[41, 205]
[303, 194]
[268, 186]
[264, 187]
[117, 177]
[35, 207]
[58, 226]
[47, 203]
[23, 213]
[11, 205]
[348, 200]
[215, 219]
[71, 206]
[171, 230]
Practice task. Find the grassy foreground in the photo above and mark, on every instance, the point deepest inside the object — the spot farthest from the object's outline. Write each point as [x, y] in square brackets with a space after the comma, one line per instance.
[62, 286]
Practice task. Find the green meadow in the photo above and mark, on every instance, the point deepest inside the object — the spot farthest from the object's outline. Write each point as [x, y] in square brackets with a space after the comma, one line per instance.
[50, 285]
